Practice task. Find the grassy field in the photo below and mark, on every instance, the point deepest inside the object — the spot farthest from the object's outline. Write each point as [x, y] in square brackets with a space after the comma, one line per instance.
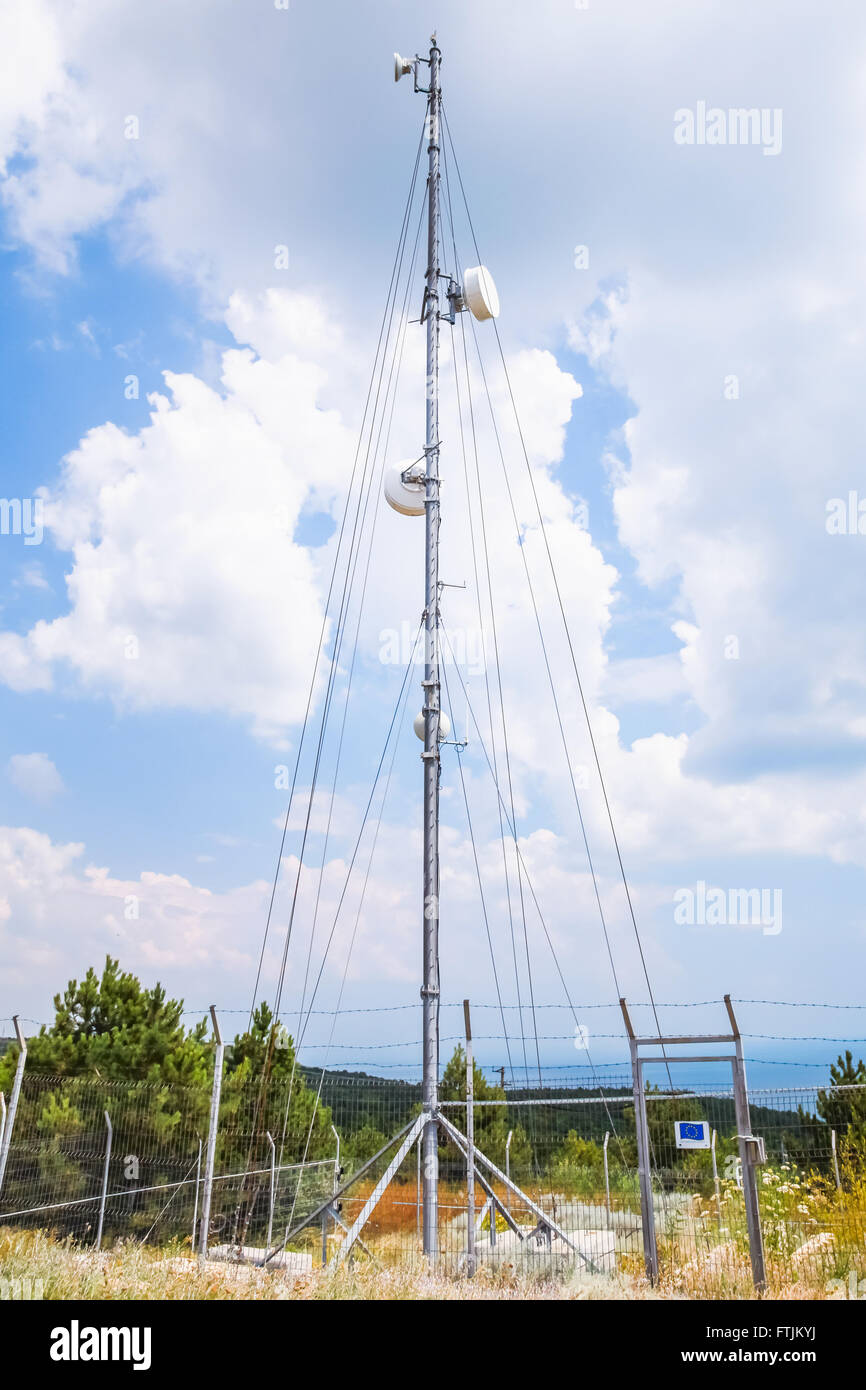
[814, 1240]
[35, 1265]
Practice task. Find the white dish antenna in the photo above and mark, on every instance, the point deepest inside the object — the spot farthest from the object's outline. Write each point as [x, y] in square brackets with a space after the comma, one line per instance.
[402, 67]
[407, 497]
[444, 725]
[479, 293]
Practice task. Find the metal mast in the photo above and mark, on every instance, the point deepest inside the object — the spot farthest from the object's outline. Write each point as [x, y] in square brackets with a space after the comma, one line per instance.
[403, 490]
[430, 756]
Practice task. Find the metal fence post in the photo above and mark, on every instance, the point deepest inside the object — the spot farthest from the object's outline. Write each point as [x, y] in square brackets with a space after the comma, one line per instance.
[647, 1213]
[270, 1140]
[337, 1158]
[835, 1157]
[104, 1180]
[508, 1169]
[470, 1145]
[204, 1229]
[13, 1099]
[747, 1144]
[197, 1184]
[418, 1194]
[716, 1179]
[2, 1117]
[606, 1177]
[337, 1171]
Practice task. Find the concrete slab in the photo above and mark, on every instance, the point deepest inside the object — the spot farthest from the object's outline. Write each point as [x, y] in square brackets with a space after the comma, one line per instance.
[288, 1261]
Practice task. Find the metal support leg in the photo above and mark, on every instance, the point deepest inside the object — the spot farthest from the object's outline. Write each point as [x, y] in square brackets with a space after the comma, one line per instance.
[541, 1216]
[338, 1221]
[330, 1202]
[375, 1196]
[495, 1204]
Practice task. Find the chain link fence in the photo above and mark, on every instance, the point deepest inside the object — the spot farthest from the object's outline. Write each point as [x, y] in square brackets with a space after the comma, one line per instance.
[556, 1186]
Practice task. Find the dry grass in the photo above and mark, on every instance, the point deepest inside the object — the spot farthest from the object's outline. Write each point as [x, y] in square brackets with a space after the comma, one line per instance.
[55, 1269]
[133, 1271]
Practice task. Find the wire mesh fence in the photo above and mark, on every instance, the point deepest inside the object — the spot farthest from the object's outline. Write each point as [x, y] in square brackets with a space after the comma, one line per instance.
[555, 1178]
[812, 1193]
[60, 1163]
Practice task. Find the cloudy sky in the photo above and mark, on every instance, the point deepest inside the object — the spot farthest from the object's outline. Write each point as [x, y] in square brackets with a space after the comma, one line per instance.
[683, 305]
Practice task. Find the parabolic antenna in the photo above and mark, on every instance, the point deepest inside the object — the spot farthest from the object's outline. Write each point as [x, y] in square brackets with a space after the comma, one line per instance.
[407, 498]
[402, 66]
[444, 725]
[479, 293]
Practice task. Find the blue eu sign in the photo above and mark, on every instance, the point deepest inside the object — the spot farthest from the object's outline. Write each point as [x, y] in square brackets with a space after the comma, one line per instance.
[692, 1134]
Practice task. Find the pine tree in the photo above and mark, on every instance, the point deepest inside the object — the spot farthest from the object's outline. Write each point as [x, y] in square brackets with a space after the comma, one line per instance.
[265, 1091]
[112, 1028]
[845, 1111]
[492, 1122]
[107, 1030]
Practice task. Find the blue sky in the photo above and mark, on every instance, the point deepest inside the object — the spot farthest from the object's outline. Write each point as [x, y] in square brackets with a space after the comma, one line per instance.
[155, 778]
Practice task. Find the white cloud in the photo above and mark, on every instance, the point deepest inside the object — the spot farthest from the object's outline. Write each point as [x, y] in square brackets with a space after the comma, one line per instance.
[639, 679]
[35, 776]
[59, 914]
[187, 589]
[60, 917]
[110, 121]
[32, 67]
[31, 577]
[745, 268]
[726, 497]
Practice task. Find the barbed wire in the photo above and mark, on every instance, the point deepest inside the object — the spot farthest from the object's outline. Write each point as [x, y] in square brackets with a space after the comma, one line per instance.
[458, 1004]
[567, 1037]
[584, 1008]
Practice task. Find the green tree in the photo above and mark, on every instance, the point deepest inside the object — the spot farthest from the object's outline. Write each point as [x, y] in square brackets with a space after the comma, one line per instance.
[110, 1027]
[574, 1153]
[577, 1165]
[265, 1091]
[842, 1110]
[492, 1122]
[362, 1145]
